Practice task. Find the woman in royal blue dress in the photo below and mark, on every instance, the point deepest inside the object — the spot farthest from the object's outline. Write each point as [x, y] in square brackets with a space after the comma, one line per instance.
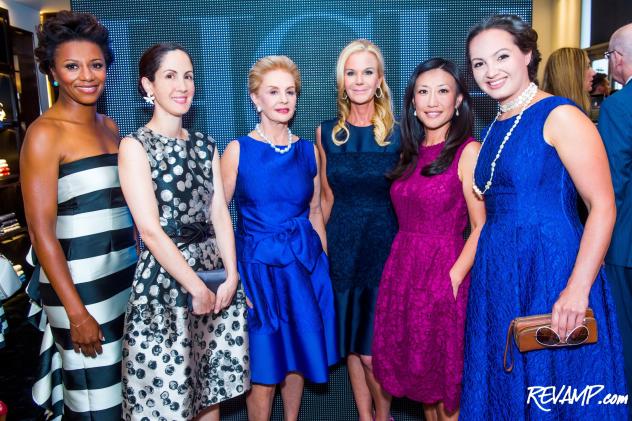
[532, 256]
[274, 177]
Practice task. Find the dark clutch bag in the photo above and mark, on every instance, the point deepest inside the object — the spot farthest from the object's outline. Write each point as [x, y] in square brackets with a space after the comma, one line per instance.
[212, 279]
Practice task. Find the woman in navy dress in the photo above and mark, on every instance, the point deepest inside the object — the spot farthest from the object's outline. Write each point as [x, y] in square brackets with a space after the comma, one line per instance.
[532, 256]
[357, 149]
[274, 177]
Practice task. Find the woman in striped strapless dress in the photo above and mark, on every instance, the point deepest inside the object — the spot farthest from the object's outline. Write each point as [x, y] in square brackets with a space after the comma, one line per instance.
[82, 233]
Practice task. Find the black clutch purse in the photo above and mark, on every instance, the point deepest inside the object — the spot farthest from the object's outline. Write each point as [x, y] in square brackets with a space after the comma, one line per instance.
[212, 279]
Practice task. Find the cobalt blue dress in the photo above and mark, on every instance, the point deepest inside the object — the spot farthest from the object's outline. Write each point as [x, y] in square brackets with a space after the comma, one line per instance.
[282, 264]
[526, 252]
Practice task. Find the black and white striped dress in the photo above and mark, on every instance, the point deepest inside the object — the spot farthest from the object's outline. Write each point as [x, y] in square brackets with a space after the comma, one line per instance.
[95, 229]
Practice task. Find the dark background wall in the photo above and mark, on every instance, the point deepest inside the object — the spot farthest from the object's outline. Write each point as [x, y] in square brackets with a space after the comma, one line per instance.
[606, 17]
[226, 37]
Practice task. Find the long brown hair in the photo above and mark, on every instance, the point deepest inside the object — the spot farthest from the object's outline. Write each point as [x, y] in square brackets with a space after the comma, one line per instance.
[564, 75]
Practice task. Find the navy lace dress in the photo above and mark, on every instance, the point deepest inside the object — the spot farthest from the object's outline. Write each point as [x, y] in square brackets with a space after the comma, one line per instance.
[360, 230]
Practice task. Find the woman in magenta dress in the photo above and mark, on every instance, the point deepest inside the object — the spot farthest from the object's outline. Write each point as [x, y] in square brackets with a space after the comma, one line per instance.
[420, 314]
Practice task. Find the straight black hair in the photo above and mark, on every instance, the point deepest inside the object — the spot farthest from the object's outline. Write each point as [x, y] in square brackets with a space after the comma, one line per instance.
[412, 131]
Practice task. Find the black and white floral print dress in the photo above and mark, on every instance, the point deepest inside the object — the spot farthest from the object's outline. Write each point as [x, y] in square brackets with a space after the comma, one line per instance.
[176, 364]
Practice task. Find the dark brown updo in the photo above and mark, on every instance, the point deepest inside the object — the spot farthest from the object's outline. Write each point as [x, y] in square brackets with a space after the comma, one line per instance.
[150, 61]
[524, 36]
[69, 26]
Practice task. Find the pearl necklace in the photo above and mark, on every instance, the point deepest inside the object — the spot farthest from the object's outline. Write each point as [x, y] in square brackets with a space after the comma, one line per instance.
[525, 100]
[272, 145]
[531, 90]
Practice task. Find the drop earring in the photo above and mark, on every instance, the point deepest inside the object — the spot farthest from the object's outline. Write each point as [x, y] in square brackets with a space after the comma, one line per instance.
[456, 111]
[258, 109]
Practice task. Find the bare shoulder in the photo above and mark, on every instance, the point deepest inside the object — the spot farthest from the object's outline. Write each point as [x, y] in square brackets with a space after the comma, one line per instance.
[567, 123]
[564, 118]
[232, 149]
[42, 137]
[470, 153]
[472, 148]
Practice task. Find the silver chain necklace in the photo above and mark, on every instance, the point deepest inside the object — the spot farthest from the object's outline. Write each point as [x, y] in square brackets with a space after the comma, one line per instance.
[272, 145]
[525, 99]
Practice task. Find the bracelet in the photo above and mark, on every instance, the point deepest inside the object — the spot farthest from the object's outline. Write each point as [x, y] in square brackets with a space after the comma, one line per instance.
[79, 324]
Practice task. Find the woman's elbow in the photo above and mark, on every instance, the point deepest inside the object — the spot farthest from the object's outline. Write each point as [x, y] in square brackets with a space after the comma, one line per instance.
[149, 232]
[605, 210]
[40, 235]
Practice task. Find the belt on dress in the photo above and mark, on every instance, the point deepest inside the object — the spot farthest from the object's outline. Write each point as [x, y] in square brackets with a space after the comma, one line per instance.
[191, 233]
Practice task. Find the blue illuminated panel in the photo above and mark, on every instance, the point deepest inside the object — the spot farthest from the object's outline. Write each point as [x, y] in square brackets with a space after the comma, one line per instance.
[226, 37]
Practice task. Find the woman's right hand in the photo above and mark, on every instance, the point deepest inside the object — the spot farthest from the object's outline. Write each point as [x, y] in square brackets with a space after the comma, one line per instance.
[86, 336]
[203, 301]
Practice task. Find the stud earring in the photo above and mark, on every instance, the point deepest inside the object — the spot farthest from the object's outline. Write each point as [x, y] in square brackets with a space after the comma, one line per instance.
[258, 109]
[55, 83]
[149, 99]
[415, 113]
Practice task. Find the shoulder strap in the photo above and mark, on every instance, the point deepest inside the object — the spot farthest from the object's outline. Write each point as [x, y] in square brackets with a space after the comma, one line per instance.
[508, 349]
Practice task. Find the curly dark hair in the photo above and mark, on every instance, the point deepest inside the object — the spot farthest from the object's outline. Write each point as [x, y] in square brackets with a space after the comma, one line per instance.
[524, 36]
[69, 26]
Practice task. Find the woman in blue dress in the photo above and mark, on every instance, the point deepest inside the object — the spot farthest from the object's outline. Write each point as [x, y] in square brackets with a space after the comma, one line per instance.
[274, 177]
[532, 256]
[357, 149]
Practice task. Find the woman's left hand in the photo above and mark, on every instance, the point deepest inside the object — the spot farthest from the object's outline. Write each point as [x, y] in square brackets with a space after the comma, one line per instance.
[226, 293]
[569, 310]
[456, 281]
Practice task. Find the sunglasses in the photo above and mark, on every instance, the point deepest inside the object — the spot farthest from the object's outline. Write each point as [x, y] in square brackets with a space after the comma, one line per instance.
[548, 337]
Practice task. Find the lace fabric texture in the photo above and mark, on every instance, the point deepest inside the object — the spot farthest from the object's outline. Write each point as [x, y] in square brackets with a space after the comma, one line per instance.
[526, 252]
[418, 342]
[360, 230]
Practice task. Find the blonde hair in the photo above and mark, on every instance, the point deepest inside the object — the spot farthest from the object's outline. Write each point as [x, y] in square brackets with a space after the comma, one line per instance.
[564, 75]
[269, 63]
[383, 120]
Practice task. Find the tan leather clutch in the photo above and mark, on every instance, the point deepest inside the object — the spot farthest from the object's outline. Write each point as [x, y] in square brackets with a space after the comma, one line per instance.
[532, 333]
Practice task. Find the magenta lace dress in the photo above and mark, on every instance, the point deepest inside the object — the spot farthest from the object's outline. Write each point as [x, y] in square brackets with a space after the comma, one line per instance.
[418, 338]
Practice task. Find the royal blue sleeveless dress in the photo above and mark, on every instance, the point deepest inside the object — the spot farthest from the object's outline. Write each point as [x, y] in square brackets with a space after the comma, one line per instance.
[284, 270]
[525, 255]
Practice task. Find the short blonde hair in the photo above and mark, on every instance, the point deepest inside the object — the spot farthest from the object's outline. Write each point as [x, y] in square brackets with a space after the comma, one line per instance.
[269, 63]
[383, 120]
[564, 75]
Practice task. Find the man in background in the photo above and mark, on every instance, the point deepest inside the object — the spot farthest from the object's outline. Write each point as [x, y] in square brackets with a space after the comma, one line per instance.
[615, 126]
